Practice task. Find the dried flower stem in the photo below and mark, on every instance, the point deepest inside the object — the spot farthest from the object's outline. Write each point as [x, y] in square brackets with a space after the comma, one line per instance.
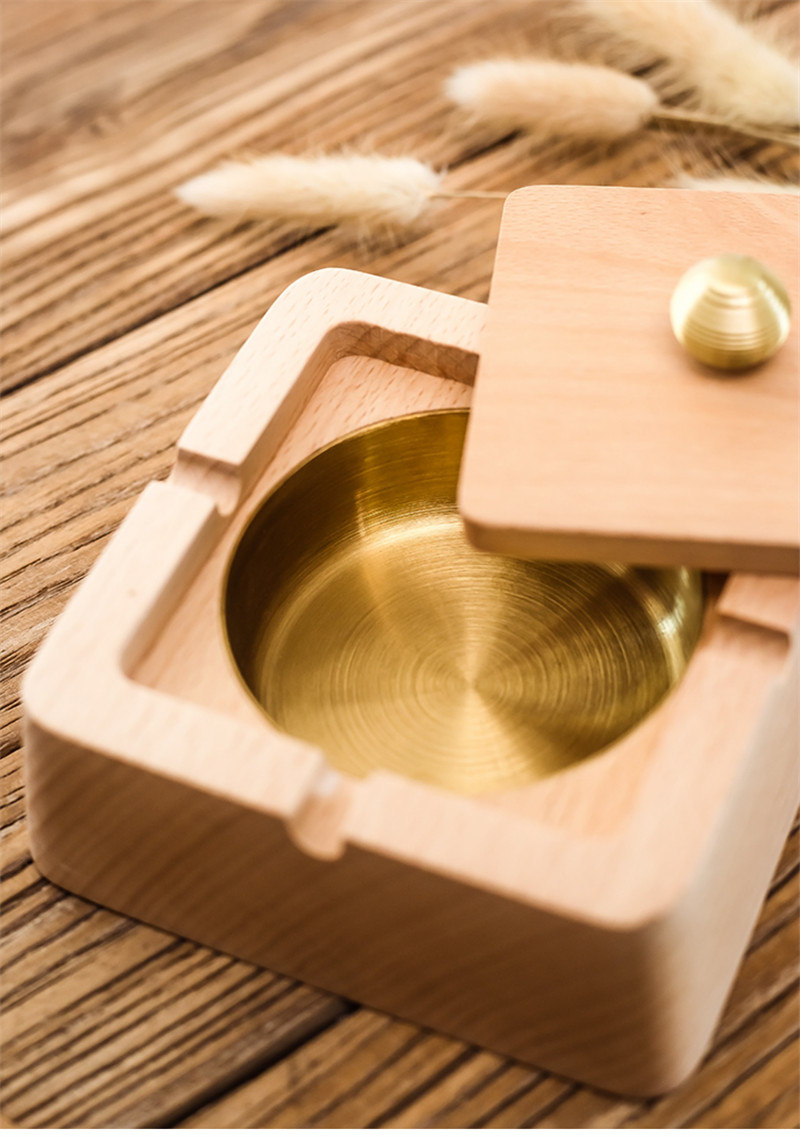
[677, 116]
[372, 194]
[477, 195]
[375, 196]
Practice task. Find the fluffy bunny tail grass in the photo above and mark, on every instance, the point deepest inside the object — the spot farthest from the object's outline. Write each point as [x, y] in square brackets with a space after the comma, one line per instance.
[735, 184]
[698, 50]
[371, 194]
[548, 97]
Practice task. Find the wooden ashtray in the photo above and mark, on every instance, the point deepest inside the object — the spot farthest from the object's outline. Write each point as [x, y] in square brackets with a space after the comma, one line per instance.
[590, 921]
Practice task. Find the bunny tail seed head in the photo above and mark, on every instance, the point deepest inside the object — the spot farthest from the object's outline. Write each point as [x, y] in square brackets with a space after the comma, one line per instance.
[546, 97]
[369, 193]
[698, 51]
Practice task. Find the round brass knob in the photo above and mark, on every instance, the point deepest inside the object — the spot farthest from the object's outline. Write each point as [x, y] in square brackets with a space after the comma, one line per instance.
[730, 312]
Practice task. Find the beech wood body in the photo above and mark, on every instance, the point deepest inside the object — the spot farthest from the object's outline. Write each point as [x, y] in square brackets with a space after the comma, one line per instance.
[590, 923]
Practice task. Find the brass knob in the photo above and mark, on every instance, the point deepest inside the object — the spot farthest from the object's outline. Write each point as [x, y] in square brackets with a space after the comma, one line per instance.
[730, 312]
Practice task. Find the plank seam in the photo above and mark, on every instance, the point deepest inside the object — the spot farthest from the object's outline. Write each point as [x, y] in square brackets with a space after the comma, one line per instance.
[379, 1121]
[742, 1077]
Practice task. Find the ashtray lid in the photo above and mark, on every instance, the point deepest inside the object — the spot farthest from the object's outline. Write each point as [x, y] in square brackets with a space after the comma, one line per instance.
[594, 435]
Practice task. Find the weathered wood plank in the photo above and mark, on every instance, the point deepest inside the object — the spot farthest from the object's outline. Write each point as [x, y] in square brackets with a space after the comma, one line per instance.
[737, 1060]
[271, 76]
[745, 1105]
[107, 1022]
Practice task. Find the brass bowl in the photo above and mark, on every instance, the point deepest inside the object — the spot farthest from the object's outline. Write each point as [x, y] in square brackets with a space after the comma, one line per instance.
[360, 619]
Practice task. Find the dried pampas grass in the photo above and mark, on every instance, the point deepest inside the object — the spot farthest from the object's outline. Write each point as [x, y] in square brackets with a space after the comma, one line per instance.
[372, 195]
[699, 51]
[547, 97]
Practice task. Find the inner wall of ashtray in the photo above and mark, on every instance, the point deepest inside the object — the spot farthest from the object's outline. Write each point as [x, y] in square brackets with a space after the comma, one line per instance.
[361, 620]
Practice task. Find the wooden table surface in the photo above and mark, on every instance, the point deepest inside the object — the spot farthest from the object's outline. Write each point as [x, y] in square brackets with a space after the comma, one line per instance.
[122, 309]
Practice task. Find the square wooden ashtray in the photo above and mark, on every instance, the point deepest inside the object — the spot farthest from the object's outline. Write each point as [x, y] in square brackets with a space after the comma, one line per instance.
[590, 922]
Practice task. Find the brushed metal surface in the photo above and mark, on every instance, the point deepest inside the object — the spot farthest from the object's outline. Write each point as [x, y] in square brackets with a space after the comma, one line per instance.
[361, 620]
[730, 312]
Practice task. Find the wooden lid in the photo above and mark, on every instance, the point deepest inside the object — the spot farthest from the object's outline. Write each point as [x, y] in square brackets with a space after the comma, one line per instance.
[593, 435]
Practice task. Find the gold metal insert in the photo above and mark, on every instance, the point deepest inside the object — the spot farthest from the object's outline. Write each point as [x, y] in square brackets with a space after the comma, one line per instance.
[361, 619]
[730, 312]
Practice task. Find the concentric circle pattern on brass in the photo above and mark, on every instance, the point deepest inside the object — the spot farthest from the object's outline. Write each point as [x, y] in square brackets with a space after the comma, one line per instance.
[730, 312]
[362, 620]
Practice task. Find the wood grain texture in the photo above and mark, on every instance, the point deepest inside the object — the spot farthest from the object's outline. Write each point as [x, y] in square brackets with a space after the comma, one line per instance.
[614, 443]
[123, 310]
